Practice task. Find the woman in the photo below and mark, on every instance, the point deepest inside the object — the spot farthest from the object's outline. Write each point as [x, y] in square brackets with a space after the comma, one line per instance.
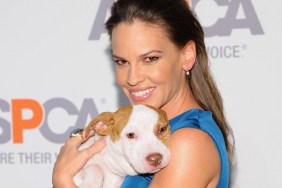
[161, 60]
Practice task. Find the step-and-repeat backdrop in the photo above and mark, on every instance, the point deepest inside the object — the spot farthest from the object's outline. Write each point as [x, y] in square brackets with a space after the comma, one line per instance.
[56, 74]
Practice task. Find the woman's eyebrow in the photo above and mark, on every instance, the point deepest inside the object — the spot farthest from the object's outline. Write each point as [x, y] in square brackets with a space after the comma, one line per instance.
[149, 52]
[118, 57]
[140, 56]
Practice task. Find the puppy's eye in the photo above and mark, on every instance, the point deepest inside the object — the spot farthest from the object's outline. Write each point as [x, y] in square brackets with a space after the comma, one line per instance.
[130, 135]
[162, 130]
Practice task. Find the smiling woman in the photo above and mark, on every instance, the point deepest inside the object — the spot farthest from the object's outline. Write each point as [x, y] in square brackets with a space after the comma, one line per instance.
[146, 64]
[161, 60]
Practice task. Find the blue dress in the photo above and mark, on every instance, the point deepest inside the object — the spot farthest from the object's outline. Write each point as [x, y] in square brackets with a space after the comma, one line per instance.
[199, 119]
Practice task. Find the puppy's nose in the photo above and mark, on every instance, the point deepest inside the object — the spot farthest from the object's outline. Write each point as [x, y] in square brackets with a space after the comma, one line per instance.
[154, 159]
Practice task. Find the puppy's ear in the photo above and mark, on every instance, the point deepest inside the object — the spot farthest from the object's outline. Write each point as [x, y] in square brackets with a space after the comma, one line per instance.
[101, 124]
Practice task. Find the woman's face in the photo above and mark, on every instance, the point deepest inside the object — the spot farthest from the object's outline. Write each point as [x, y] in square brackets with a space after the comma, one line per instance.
[149, 67]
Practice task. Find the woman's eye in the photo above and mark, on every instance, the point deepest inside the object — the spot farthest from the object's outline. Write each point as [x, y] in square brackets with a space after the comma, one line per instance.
[120, 62]
[151, 59]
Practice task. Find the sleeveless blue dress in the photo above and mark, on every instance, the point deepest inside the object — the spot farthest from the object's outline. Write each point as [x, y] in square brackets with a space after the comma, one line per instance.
[198, 119]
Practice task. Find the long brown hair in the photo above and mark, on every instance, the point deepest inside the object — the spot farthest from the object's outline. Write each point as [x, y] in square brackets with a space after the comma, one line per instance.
[181, 25]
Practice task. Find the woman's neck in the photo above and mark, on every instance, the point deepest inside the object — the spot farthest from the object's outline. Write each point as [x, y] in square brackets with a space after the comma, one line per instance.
[181, 103]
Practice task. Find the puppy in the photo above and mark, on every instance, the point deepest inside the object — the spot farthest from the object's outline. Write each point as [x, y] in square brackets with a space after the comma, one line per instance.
[137, 142]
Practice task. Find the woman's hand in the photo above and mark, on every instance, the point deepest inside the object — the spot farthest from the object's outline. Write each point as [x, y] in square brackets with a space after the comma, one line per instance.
[70, 161]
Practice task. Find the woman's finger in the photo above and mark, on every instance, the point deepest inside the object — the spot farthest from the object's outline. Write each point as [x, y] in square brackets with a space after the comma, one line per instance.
[96, 147]
[75, 142]
[90, 134]
[76, 138]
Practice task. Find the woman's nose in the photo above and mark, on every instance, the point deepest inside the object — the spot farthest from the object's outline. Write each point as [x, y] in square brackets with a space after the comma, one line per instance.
[135, 75]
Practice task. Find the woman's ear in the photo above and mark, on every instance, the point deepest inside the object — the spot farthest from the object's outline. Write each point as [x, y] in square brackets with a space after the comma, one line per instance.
[189, 53]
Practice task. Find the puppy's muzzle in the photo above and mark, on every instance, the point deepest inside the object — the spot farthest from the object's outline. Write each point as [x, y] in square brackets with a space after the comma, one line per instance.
[154, 159]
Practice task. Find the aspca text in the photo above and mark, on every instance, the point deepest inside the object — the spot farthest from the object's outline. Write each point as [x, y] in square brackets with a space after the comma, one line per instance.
[13, 123]
[223, 26]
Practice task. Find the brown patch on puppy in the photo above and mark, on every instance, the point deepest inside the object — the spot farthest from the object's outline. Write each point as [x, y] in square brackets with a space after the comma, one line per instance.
[112, 123]
[121, 117]
[162, 128]
[106, 118]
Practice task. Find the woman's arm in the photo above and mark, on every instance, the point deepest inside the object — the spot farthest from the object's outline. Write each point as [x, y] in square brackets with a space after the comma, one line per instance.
[70, 161]
[194, 161]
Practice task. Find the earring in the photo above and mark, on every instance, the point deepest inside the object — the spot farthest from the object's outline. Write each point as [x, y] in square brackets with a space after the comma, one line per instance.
[188, 75]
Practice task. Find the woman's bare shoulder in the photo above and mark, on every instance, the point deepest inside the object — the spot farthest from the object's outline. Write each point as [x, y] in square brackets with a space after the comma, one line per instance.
[194, 161]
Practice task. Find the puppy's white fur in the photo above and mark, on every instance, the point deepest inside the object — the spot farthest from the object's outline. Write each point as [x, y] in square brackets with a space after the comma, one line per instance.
[137, 142]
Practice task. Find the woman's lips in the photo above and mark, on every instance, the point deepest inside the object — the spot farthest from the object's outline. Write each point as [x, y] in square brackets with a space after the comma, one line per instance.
[142, 94]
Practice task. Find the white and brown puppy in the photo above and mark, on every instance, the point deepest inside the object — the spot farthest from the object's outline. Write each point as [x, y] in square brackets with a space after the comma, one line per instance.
[137, 142]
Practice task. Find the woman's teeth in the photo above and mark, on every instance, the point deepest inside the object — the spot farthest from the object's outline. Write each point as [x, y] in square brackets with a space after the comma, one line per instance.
[141, 93]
